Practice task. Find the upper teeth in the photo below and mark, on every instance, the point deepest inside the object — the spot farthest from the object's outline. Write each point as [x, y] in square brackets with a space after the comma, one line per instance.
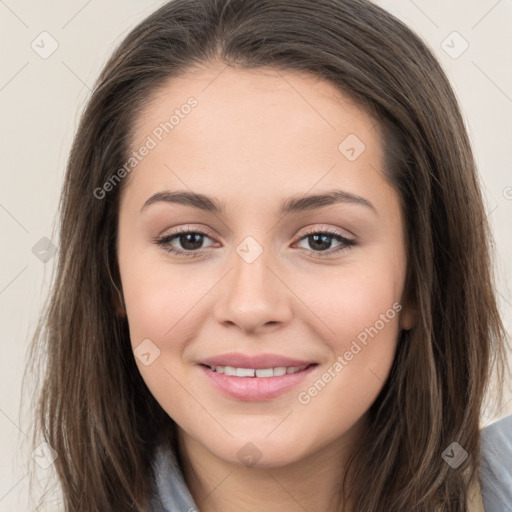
[260, 372]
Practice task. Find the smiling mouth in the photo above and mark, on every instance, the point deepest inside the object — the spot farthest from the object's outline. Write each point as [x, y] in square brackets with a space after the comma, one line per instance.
[277, 371]
[257, 384]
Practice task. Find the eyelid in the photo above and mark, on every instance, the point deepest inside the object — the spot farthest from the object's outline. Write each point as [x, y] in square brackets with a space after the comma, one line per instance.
[324, 228]
[185, 228]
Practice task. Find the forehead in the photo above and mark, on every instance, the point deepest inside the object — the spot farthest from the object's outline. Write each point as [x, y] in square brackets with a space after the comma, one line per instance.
[261, 128]
[245, 100]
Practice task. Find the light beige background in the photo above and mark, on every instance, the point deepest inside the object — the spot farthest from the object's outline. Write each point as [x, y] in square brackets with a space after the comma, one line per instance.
[40, 102]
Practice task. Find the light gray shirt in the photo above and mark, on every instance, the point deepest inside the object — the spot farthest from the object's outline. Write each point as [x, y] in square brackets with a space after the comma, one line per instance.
[172, 494]
[496, 469]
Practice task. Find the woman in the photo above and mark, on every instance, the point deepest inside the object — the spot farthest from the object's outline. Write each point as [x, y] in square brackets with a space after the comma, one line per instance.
[209, 347]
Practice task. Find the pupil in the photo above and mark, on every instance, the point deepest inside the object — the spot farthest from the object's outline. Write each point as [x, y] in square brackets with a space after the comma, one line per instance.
[188, 242]
[323, 241]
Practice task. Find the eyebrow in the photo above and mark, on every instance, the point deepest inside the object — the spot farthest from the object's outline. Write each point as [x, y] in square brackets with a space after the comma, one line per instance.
[295, 204]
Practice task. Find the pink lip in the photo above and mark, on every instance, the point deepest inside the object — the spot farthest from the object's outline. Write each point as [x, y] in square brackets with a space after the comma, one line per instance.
[256, 388]
[259, 361]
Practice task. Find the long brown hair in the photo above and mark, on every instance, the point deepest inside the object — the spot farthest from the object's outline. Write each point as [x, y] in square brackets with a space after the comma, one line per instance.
[94, 408]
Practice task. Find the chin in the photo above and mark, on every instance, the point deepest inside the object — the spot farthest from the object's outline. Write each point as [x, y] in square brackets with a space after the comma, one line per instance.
[259, 452]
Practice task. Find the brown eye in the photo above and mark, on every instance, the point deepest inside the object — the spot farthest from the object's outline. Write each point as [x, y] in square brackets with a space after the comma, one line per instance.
[321, 241]
[190, 241]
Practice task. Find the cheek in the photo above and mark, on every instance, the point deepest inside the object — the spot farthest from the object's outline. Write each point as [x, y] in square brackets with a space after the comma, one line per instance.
[148, 312]
[159, 313]
[354, 300]
[159, 300]
[361, 315]
[162, 313]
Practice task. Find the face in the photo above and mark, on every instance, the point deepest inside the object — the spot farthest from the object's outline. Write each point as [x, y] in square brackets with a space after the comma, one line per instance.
[251, 275]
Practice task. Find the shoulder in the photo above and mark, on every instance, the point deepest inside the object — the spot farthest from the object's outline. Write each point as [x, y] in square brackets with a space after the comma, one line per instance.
[496, 469]
[170, 489]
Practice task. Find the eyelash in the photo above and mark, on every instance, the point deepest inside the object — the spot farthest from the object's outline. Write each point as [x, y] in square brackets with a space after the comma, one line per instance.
[164, 242]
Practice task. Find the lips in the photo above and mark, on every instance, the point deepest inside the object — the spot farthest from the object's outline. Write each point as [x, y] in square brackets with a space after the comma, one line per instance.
[250, 381]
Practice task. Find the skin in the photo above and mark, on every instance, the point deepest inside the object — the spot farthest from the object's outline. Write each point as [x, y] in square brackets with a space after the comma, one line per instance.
[256, 138]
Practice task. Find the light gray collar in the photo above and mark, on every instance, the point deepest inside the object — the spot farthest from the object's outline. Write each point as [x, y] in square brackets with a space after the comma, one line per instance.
[172, 494]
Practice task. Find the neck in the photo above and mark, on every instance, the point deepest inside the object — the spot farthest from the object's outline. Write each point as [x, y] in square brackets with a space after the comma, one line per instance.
[312, 483]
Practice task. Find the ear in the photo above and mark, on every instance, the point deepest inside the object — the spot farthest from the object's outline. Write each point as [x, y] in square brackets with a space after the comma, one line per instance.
[408, 317]
[119, 305]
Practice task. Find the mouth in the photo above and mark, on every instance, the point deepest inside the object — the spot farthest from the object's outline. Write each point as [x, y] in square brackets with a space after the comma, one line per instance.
[277, 371]
[256, 384]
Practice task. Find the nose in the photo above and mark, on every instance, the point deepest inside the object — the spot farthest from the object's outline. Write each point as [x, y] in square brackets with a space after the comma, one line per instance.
[253, 296]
